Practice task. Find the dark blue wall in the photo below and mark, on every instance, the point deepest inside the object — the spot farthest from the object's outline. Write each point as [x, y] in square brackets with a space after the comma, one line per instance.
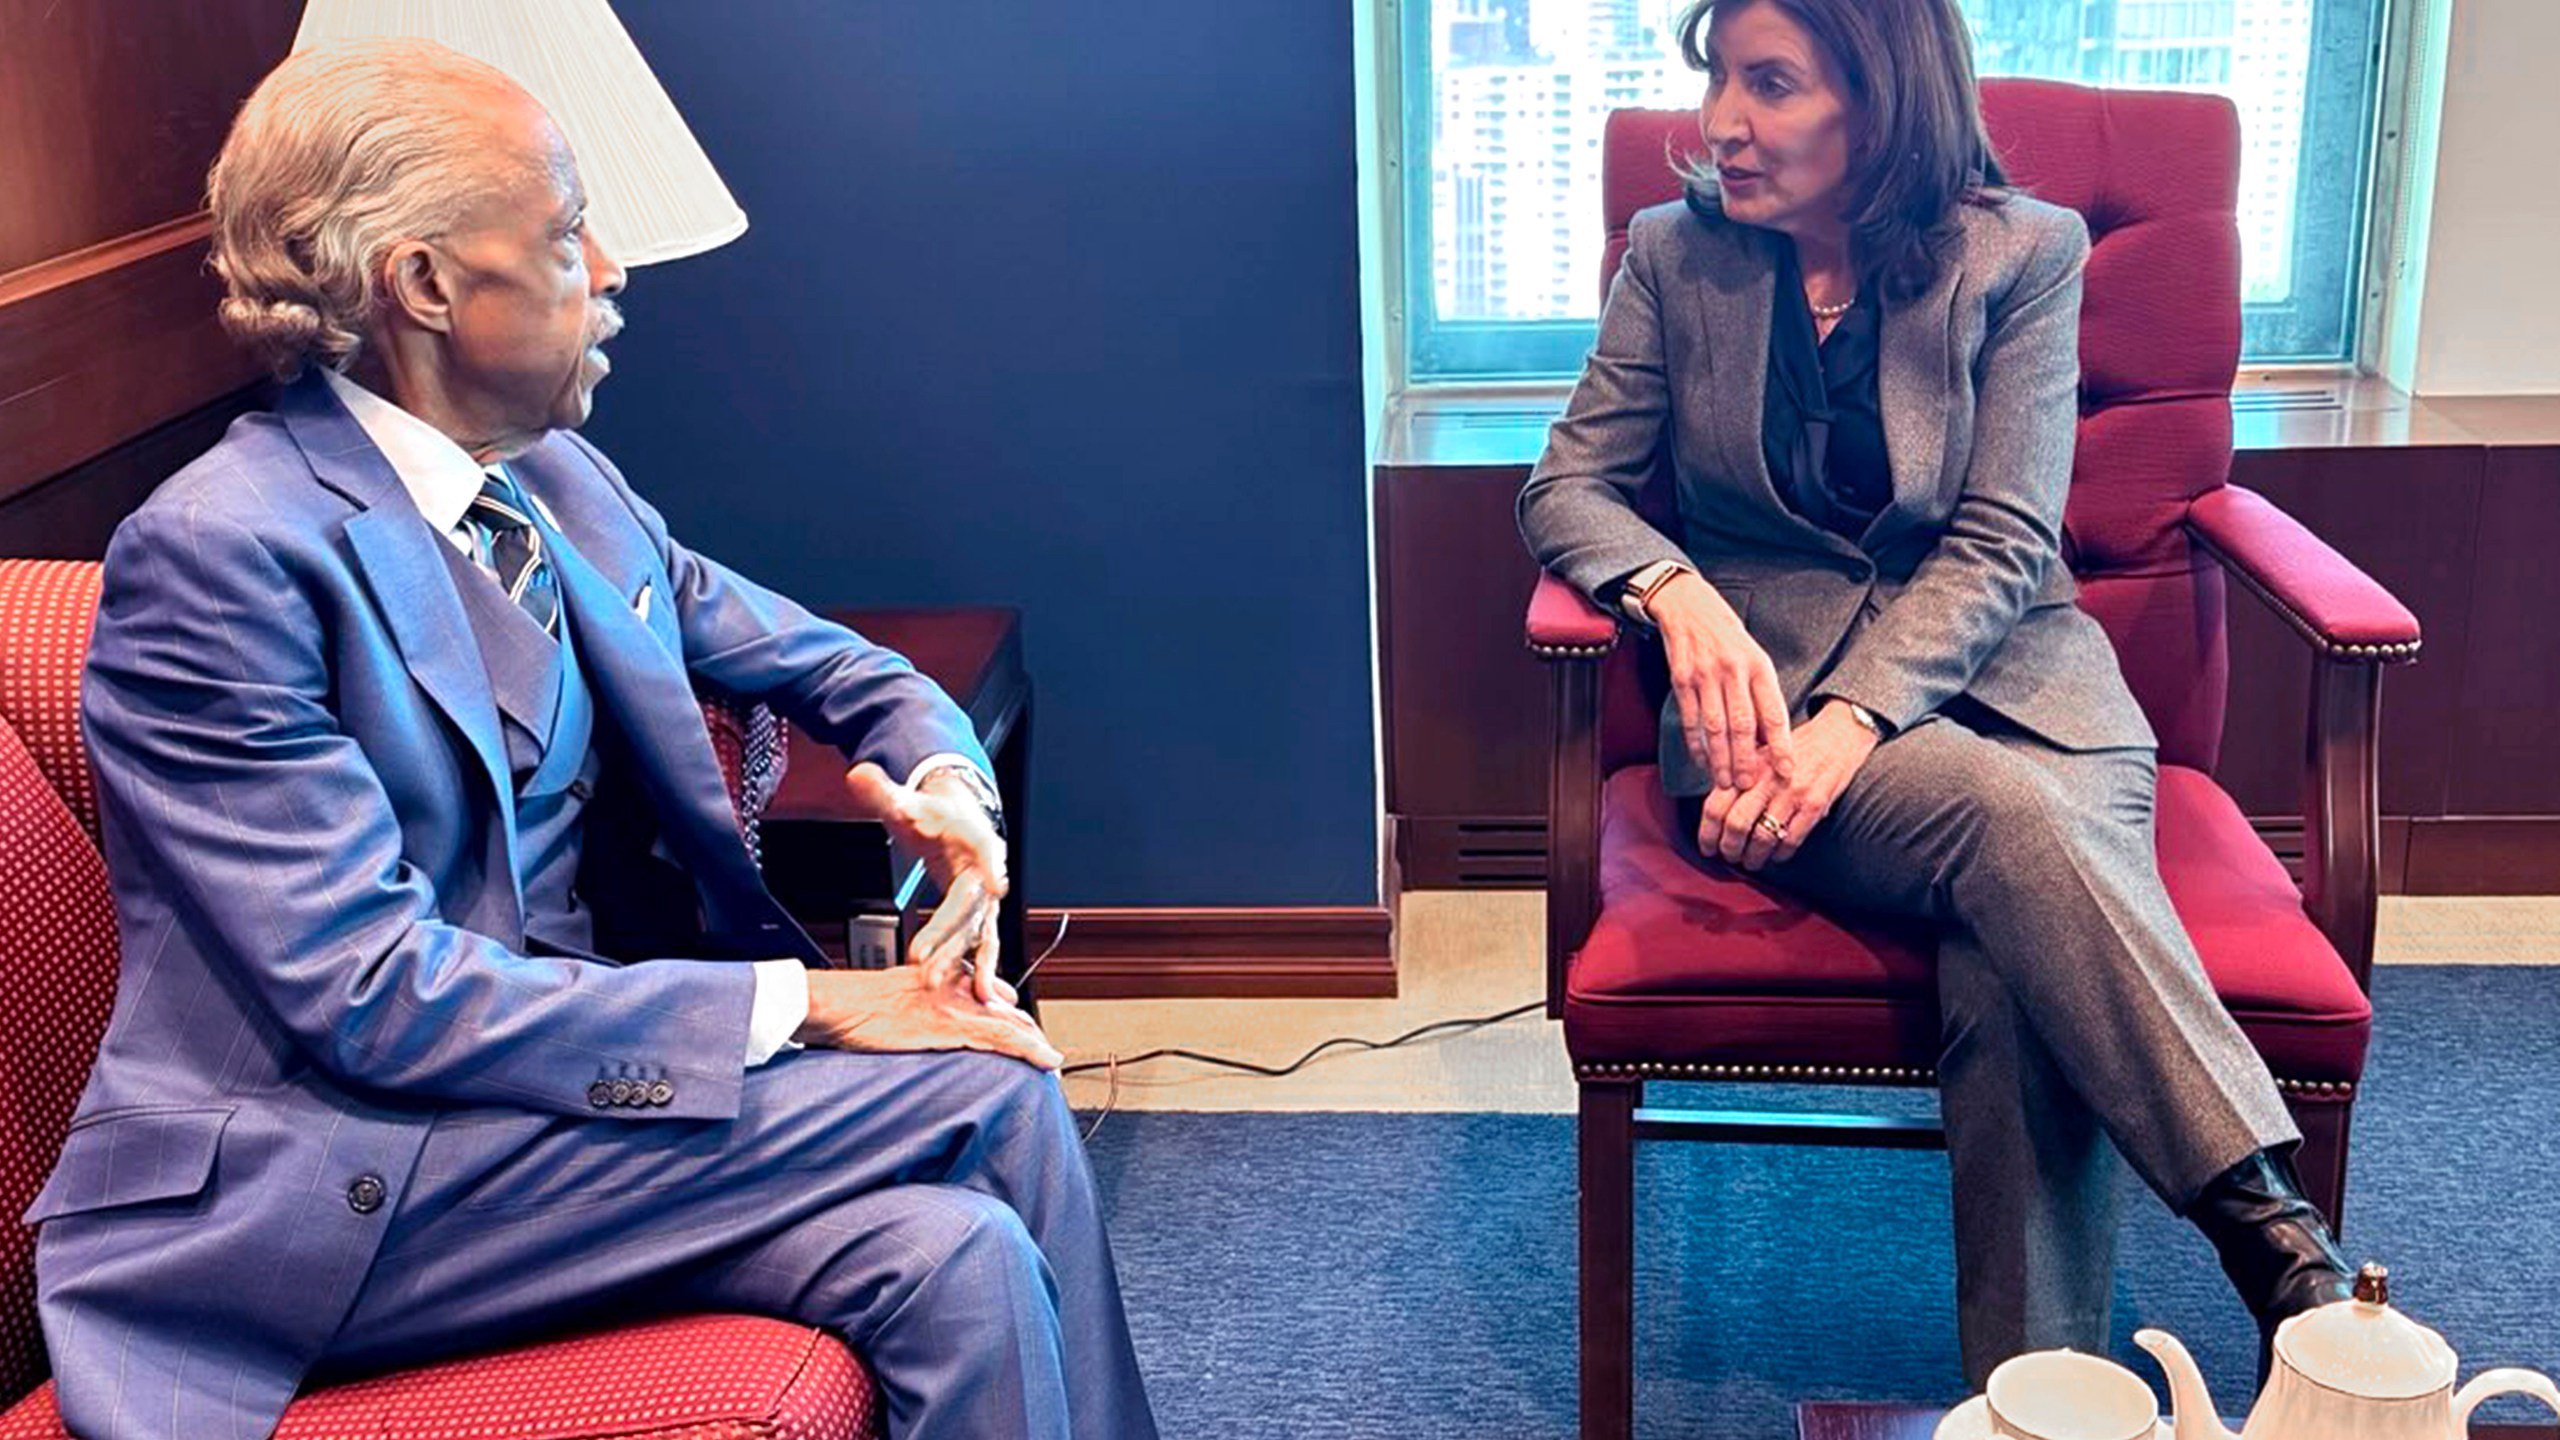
[1051, 305]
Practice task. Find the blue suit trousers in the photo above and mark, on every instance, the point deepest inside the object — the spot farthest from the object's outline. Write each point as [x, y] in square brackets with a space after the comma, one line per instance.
[935, 1210]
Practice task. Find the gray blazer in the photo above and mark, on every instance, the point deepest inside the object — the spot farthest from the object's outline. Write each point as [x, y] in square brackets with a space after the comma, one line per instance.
[1957, 588]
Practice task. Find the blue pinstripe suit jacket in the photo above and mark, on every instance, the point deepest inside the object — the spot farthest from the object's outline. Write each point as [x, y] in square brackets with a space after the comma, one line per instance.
[308, 824]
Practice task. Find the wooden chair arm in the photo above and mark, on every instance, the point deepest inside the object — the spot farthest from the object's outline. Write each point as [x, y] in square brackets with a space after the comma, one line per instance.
[2353, 627]
[1574, 636]
[2341, 808]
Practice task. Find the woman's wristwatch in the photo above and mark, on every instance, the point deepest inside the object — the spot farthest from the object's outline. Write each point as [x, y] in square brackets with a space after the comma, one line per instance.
[1636, 597]
[1866, 718]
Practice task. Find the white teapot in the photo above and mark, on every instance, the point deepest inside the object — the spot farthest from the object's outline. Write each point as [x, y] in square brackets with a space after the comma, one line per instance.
[2355, 1370]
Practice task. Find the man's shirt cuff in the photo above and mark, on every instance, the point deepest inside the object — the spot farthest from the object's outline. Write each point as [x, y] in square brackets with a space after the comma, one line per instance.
[781, 1007]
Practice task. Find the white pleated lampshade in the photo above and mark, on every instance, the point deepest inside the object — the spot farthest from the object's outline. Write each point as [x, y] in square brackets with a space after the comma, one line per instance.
[651, 192]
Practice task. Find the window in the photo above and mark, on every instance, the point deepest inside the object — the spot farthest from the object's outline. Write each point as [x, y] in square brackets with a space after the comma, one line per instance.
[1504, 102]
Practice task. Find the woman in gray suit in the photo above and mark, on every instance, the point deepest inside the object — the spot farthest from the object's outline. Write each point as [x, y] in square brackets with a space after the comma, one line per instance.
[1861, 353]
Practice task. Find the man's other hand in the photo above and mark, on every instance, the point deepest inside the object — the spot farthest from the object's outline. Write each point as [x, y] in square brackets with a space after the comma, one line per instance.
[942, 822]
[907, 1008]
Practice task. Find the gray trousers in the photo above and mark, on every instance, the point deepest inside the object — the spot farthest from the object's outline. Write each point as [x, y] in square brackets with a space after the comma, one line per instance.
[2075, 1010]
[936, 1211]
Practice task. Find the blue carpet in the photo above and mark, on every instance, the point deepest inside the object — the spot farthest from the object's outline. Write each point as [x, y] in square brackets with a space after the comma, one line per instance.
[1413, 1275]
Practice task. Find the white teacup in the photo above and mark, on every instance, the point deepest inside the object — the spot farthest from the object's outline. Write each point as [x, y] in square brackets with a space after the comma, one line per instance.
[2065, 1395]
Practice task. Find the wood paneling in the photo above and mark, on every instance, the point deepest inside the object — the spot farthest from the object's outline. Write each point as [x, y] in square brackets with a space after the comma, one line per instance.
[110, 115]
[99, 347]
[112, 112]
[71, 516]
[2406, 516]
[1169, 953]
[2483, 855]
[2503, 738]
[1438, 651]
[1464, 703]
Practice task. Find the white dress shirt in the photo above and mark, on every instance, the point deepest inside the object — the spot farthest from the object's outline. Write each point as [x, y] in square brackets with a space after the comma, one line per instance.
[442, 480]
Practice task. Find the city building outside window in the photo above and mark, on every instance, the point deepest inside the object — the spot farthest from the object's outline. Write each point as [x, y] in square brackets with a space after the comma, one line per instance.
[1504, 101]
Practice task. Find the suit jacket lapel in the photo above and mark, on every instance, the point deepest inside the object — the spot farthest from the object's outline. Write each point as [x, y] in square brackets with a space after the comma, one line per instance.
[1734, 297]
[522, 662]
[636, 681]
[1736, 303]
[398, 555]
[1912, 386]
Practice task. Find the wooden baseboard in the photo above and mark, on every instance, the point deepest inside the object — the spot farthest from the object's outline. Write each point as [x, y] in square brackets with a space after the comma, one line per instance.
[2447, 854]
[2484, 855]
[1168, 953]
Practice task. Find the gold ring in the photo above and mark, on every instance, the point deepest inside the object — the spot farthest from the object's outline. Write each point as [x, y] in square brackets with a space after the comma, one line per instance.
[1772, 826]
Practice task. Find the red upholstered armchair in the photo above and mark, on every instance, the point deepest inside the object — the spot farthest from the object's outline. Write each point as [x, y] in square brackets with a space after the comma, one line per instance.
[1663, 970]
[702, 1377]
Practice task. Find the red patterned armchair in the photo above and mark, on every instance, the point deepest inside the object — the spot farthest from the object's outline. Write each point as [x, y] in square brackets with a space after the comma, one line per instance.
[1663, 971]
[699, 1377]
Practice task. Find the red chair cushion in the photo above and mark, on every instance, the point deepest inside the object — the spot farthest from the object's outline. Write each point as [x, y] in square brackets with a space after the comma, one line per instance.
[1703, 965]
[697, 1377]
[58, 967]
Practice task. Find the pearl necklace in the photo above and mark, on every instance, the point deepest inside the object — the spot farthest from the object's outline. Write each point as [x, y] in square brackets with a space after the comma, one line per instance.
[1832, 312]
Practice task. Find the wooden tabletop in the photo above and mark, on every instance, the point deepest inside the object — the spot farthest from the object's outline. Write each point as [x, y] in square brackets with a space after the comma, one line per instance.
[1833, 1421]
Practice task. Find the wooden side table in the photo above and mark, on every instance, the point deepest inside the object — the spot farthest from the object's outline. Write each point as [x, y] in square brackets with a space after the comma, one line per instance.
[1824, 1420]
[825, 863]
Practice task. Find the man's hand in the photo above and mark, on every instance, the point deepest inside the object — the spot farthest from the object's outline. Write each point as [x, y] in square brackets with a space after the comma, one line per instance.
[1829, 750]
[942, 822]
[1732, 713]
[905, 1008]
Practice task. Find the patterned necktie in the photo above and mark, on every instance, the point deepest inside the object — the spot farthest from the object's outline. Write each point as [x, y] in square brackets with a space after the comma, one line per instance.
[506, 543]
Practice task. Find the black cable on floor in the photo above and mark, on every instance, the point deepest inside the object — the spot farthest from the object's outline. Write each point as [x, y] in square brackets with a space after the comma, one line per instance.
[1345, 1041]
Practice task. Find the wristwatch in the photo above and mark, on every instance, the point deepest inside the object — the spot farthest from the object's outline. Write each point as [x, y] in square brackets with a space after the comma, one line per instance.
[1636, 594]
[1866, 718]
[980, 789]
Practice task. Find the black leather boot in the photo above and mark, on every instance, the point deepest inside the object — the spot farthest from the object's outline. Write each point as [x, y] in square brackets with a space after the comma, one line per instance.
[2274, 1245]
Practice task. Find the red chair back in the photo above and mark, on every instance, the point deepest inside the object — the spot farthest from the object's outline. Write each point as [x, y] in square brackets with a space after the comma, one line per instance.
[58, 951]
[57, 923]
[2156, 175]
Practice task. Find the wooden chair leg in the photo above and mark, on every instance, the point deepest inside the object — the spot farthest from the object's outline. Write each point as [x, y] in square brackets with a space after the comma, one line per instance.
[2322, 1161]
[1607, 1145]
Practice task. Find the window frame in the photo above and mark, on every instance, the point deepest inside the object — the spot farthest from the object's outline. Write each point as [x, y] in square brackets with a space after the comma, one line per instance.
[2340, 124]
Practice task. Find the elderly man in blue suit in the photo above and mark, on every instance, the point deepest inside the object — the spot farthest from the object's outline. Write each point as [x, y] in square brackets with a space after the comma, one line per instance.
[453, 1008]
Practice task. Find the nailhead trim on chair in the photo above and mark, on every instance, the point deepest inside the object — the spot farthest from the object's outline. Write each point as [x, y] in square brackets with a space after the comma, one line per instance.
[1664, 1070]
[2388, 653]
[1572, 652]
[1869, 1074]
[2398, 651]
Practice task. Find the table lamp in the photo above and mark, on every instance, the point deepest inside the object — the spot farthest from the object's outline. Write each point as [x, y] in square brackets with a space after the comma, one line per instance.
[651, 192]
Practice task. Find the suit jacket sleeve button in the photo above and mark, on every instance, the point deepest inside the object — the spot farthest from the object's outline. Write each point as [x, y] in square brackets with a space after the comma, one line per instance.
[364, 1196]
[600, 1094]
[621, 1092]
[662, 1092]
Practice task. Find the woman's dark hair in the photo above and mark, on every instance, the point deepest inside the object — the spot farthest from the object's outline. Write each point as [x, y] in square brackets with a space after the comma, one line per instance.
[1918, 149]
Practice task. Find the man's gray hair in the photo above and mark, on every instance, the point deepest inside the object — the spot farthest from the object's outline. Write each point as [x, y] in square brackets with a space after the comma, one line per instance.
[345, 150]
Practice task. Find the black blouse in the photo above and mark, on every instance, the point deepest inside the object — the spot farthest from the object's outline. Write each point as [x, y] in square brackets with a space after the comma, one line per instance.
[1821, 427]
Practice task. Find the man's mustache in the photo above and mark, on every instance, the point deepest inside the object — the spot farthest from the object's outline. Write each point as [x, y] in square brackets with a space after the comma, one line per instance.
[608, 321]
